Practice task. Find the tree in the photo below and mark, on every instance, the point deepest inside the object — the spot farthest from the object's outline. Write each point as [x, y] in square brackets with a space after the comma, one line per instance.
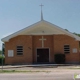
[76, 34]
[66, 29]
[0, 51]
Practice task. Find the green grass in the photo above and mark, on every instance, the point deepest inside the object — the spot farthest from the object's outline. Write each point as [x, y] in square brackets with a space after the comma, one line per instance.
[19, 71]
[1, 56]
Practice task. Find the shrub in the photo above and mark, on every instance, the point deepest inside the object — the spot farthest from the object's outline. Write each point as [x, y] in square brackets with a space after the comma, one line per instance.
[60, 58]
[1, 60]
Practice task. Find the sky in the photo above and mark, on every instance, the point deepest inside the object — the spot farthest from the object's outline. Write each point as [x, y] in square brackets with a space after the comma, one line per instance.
[18, 14]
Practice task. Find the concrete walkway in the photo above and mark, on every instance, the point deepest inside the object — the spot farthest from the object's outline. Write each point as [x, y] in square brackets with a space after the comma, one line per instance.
[63, 66]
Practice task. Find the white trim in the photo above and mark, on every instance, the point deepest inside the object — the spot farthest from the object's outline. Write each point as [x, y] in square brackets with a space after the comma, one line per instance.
[43, 48]
[6, 39]
[66, 32]
[36, 25]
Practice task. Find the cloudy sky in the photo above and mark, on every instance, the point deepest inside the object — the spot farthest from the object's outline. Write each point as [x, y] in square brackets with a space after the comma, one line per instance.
[18, 14]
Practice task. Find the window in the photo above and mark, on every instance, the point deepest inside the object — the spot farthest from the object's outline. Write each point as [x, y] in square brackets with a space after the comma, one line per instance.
[19, 50]
[66, 49]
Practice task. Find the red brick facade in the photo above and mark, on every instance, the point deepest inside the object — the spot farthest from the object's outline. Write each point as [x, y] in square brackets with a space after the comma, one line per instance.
[55, 43]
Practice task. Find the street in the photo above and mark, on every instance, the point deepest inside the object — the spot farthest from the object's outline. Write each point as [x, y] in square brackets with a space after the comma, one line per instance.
[40, 73]
[38, 76]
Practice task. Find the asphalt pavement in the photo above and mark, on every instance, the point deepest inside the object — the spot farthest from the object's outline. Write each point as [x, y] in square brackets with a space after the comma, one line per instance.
[41, 73]
[37, 76]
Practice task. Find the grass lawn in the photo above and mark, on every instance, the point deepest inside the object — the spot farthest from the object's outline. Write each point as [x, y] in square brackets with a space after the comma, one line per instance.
[20, 71]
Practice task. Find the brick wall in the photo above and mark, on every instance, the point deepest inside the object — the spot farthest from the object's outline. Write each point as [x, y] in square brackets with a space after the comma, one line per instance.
[60, 41]
[30, 44]
[26, 42]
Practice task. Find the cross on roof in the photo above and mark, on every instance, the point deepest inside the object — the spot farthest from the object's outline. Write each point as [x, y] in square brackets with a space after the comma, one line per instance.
[41, 12]
[41, 6]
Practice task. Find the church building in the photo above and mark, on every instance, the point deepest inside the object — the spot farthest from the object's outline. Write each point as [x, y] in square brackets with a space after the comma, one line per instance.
[39, 42]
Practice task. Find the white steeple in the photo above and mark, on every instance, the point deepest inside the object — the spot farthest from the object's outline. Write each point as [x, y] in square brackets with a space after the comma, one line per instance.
[41, 12]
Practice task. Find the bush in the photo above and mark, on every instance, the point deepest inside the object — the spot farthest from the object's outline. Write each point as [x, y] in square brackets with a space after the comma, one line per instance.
[1, 60]
[60, 58]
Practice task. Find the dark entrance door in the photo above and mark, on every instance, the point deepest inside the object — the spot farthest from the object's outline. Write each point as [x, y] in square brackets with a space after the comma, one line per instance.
[42, 55]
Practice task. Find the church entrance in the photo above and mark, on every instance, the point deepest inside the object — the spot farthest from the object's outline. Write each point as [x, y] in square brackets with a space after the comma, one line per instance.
[43, 55]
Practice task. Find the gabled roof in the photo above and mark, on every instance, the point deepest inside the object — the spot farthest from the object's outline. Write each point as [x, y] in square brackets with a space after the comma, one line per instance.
[41, 28]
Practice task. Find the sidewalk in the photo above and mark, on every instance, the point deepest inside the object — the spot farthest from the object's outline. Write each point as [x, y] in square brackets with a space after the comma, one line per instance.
[42, 65]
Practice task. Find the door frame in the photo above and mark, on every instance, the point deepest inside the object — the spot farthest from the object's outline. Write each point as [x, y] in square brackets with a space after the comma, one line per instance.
[43, 48]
